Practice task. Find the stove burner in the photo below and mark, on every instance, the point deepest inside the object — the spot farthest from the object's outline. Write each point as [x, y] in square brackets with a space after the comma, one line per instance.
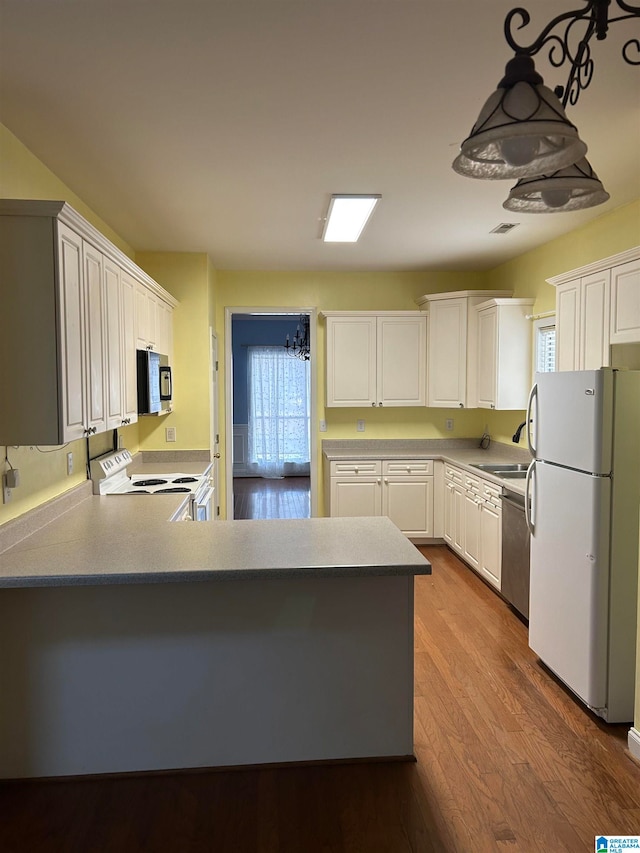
[165, 491]
[185, 480]
[150, 482]
[139, 492]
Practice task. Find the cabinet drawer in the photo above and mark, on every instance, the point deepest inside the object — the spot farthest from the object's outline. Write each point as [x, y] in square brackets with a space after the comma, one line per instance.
[471, 483]
[453, 475]
[366, 467]
[491, 492]
[408, 467]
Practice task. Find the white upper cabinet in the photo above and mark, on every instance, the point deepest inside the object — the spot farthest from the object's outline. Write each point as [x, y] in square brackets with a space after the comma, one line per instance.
[453, 335]
[597, 306]
[69, 326]
[582, 322]
[376, 359]
[504, 353]
[625, 303]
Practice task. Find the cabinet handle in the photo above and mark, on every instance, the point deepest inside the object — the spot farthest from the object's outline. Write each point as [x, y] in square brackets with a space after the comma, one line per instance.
[386, 481]
[373, 404]
[461, 405]
[379, 404]
[493, 405]
[379, 481]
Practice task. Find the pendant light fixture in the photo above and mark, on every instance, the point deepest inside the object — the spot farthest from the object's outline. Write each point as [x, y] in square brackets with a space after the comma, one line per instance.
[523, 131]
[574, 188]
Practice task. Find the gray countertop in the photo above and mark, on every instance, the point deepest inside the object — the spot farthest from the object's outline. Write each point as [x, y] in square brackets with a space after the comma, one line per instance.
[120, 539]
[107, 540]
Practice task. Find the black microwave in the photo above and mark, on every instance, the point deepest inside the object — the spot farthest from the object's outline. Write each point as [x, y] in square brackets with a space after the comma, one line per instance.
[155, 385]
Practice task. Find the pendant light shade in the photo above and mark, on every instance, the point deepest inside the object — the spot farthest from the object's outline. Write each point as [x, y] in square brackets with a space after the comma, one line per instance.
[522, 130]
[573, 188]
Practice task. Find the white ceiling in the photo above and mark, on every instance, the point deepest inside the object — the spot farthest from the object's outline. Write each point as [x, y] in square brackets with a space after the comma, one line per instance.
[223, 126]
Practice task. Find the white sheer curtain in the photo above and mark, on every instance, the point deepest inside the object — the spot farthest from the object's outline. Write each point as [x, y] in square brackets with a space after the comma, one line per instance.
[278, 402]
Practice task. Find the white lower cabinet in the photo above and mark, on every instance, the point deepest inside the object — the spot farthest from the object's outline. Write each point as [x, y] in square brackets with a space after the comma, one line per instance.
[491, 534]
[399, 489]
[473, 521]
[407, 496]
[355, 489]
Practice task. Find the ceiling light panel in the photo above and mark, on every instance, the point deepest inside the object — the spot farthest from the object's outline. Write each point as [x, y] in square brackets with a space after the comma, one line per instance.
[347, 216]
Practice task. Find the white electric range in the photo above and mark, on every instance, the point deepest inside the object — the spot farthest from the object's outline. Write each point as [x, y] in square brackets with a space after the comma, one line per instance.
[109, 476]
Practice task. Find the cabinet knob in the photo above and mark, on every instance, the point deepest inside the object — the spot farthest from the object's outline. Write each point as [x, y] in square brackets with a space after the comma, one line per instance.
[373, 404]
[461, 405]
[379, 404]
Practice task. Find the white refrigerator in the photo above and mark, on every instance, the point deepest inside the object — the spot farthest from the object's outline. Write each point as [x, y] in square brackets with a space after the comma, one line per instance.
[583, 487]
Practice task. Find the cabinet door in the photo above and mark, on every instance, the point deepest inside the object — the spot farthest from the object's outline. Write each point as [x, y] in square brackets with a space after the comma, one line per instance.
[568, 326]
[164, 328]
[491, 542]
[408, 502]
[356, 496]
[114, 344]
[625, 303]
[72, 357]
[471, 545]
[595, 292]
[129, 369]
[351, 361]
[146, 317]
[447, 353]
[487, 357]
[458, 519]
[401, 361]
[96, 419]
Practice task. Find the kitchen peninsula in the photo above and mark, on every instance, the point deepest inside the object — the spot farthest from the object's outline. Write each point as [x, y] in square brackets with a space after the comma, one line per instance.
[131, 644]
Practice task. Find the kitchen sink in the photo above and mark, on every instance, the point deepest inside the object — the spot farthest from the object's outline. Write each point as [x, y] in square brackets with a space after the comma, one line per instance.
[511, 475]
[500, 468]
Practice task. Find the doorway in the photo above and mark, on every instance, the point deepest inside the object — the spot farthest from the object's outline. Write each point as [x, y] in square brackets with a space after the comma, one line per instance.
[255, 336]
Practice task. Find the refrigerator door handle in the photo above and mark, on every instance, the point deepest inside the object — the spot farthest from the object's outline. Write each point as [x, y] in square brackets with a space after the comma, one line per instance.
[528, 500]
[532, 394]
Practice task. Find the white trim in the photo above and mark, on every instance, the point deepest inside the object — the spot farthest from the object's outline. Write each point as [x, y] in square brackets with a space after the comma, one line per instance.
[633, 739]
[228, 396]
[596, 266]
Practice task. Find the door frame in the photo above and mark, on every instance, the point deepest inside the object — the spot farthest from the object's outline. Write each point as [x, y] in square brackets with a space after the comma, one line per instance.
[228, 391]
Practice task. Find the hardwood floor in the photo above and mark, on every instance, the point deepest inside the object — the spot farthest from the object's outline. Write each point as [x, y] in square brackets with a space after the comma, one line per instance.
[257, 497]
[506, 760]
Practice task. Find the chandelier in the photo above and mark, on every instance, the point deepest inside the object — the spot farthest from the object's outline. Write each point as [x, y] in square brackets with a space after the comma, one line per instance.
[523, 131]
[300, 346]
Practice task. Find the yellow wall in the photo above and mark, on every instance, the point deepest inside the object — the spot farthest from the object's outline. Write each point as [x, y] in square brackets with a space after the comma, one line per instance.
[189, 278]
[22, 175]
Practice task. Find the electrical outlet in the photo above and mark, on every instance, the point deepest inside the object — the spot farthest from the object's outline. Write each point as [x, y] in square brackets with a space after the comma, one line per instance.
[7, 494]
[323, 426]
[69, 464]
[170, 434]
[360, 425]
[448, 423]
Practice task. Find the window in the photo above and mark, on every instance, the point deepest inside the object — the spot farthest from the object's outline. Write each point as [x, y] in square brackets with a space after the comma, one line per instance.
[544, 335]
[279, 423]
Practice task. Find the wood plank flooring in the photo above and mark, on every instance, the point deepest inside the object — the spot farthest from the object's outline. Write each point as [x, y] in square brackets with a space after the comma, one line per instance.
[258, 497]
[507, 761]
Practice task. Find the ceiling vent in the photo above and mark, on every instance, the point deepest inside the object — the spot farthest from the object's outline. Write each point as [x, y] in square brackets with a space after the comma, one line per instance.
[504, 228]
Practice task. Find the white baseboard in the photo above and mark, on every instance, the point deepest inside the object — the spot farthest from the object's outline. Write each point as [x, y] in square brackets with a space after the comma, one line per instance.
[633, 739]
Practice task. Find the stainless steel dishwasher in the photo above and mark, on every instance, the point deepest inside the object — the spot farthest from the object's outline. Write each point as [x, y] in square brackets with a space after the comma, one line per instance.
[515, 552]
